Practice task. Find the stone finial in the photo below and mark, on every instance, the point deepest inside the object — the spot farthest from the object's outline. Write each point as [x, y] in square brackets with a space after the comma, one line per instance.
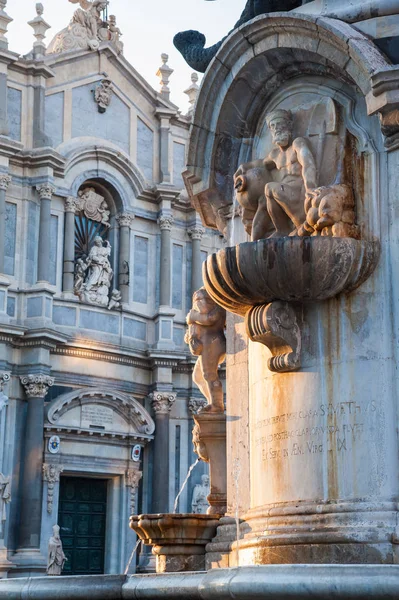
[166, 222]
[36, 386]
[196, 232]
[192, 93]
[164, 72]
[45, 191]
[51, 474]
[40, 27]
[5, 181]
[162, 402]
[5, 20]
[125, 219]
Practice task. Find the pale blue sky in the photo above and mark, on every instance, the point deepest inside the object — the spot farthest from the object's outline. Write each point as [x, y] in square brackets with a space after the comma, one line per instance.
[148, 27]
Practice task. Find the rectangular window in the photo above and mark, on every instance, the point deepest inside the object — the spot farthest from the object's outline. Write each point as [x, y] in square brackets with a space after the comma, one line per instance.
[31, 244]
[11, 232]
[177, 277]
[145, 149]
[140, 274]
[179, 162]
[14, 113]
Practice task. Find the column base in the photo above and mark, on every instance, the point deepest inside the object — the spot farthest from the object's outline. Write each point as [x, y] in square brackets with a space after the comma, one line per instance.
[5, 564]
[147, 562]
[29, 562]
[312, 533]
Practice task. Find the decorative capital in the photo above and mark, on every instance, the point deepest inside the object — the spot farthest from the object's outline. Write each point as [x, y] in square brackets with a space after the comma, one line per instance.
[133, 478]
[36, 386]
[162, 402]
[195, 405]
[51, 473]
[71, 204]
[196, 233]
[166, 222]
[5, 181]
[45, 191]
[125, 219]
[4, 378]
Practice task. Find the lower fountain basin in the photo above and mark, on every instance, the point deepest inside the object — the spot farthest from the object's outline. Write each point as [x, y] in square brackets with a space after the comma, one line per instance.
[178, 541]
[291, 269]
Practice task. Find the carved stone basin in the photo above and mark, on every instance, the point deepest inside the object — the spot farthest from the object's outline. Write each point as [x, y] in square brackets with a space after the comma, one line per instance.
[291, 269]
[178, 541]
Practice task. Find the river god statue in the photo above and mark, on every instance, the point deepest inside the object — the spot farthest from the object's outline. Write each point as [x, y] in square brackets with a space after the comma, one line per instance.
[283, 201]
[206, 339]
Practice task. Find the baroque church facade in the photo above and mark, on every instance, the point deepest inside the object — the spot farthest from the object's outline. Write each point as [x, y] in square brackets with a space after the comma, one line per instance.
[100, 251]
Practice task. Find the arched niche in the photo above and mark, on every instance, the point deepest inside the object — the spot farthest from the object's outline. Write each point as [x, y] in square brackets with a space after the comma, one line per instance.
[253, 67]
[106, 412]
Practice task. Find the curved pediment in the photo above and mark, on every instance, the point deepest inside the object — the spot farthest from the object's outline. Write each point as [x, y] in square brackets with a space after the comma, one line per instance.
[92, 409]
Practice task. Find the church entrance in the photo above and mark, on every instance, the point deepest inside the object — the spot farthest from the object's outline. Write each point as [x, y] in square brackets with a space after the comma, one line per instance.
[81, 517]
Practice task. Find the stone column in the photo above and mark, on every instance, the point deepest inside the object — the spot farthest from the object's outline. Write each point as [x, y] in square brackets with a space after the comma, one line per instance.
[69, 244]
[4, 183]
[162, 403]
[125, 221]
[36, 388]
[165, 224]
[196, 234]
[45, 192]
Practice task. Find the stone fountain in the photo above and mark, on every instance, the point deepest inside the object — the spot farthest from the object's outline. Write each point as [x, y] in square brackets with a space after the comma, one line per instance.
[294, 158]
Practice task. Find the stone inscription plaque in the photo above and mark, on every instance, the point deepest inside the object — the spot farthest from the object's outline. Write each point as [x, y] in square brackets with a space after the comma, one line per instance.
[325, 428]
[97, 416]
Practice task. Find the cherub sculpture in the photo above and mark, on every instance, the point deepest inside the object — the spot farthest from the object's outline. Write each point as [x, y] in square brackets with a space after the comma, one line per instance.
[206, 339]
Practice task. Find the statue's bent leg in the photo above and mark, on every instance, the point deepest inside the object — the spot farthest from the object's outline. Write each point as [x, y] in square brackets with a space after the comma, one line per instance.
[261, 222]
[211, 360]
[199, 380]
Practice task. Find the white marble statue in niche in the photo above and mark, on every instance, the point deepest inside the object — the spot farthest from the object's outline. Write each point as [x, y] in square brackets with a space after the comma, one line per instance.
[200, 504]
[56, 558]
[93, 276]
[285, 194]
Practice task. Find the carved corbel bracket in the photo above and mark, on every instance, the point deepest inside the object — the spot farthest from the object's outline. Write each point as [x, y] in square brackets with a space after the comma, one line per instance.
[275, 325]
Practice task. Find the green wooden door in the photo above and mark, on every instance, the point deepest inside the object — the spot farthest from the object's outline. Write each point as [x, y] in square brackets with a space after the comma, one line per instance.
[81, 517]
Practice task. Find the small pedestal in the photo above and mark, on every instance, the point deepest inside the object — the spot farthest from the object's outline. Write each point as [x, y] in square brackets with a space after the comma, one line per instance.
[209, 438]
[178, 541]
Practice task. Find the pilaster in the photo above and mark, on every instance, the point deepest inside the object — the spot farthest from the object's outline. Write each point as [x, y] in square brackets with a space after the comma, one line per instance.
[69, 244]
[45, 191]
[125, 221]
[196, 233]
